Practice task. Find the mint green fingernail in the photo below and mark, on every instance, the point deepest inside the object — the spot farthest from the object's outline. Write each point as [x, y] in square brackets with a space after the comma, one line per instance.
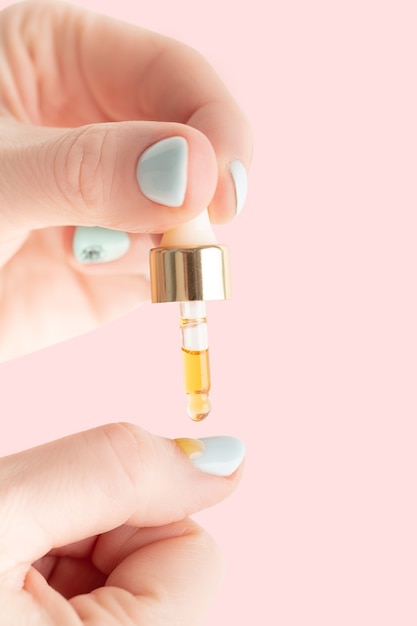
[220, 456]
[93, 244]
[240, 181]
[162, 171]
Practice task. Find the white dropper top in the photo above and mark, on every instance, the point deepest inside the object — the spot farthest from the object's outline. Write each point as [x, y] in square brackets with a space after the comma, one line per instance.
[197, 232]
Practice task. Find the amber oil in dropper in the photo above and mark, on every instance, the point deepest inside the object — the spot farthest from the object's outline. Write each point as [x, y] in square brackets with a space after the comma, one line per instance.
[195, 359]
[196, 370]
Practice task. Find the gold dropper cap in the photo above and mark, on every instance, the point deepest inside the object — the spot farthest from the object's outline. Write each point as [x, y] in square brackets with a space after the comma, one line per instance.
[188, 273]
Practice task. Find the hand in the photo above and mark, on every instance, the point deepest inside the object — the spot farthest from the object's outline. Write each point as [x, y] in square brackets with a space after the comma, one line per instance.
[82, 97]
[94, 529]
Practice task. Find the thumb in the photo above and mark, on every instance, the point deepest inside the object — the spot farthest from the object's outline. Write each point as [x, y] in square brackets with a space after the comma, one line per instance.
[133, 176]
[94, 481]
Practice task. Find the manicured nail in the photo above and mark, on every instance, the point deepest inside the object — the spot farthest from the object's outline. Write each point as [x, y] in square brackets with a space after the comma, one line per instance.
[220, 456]
[162, 171]
[93, 244]
[240, 181]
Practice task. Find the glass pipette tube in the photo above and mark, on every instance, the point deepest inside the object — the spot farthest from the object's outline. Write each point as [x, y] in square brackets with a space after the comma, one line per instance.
[195, 357]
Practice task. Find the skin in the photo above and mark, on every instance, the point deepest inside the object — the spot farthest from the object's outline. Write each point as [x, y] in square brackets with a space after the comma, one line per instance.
[75, 117]
[94, 528]
[94, 531]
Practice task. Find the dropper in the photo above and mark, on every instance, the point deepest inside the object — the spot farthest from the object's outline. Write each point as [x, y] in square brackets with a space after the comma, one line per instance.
[190, 267]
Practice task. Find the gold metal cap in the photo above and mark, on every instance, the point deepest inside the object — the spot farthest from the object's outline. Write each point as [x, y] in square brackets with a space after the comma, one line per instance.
[190, 273]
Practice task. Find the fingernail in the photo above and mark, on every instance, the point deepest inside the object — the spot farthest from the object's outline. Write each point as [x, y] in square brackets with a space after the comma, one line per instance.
[93, 244]
[162, 171]
[240, 181]
[220, 456]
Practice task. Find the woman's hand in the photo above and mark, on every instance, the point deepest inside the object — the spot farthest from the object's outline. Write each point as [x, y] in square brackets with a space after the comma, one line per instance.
[82, 98]
[94, 529]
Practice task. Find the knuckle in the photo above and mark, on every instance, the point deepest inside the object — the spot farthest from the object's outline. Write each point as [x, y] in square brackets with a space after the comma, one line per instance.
[134, 460]
[84, 168]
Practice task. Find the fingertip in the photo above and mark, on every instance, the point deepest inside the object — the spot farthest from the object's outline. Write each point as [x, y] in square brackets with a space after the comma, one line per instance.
[231, 137]
[175, 177]
[218, 456]
[179, 174]
[203, 173]
[240, 183]
[231, 192]
[95, 244]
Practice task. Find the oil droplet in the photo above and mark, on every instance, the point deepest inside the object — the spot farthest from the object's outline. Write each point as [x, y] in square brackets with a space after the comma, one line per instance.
[198, 406]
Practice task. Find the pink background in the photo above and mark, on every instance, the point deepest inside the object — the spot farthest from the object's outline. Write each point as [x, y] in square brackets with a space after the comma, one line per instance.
[314, 359]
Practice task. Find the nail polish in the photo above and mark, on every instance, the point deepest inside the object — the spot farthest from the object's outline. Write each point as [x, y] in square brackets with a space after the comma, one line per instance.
[94, 244]
[240, 181]
[219, 456]
[162, 171]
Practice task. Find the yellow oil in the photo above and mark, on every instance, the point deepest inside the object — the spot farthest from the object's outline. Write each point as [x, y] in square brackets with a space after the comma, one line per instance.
[196, 368]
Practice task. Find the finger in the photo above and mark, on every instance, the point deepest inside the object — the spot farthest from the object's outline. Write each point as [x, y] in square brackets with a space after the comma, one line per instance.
[171, 571]
[175, 568]
[175, 574]
[174, 82]
[181, 86]
[132, 176]
[136, 75]
[100, 251]
[94, 481]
